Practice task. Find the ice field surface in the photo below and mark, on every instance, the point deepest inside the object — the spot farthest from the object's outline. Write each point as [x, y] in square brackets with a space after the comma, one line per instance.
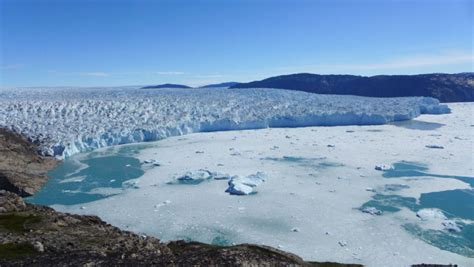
[310, 202]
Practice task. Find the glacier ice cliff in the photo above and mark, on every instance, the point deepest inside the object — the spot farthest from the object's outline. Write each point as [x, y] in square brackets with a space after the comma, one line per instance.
[66, 121]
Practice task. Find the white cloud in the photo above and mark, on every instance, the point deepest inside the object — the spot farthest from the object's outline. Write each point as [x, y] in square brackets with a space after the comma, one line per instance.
[169, 73]
[94, 74]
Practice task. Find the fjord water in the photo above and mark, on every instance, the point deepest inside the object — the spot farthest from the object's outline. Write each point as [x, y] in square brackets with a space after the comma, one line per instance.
[83, 178]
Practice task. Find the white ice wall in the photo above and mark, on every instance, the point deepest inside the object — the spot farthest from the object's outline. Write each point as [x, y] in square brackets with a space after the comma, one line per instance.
[65, 121]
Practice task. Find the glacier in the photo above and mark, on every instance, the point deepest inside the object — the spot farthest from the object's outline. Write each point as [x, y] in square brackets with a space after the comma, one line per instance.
[66, 121]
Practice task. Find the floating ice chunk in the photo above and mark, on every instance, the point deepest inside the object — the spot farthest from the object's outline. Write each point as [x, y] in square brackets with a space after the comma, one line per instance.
[435, 146]
[451, 226]
[342, 243]
[151, 162]
[220, 176]
[383, 167]
[194, 177]
[294, 229]
[372, 211]
[245, 185]
[130, 184]
[430, 214]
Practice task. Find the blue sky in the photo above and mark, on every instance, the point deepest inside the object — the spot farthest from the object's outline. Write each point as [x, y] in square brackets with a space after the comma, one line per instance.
[136, 42]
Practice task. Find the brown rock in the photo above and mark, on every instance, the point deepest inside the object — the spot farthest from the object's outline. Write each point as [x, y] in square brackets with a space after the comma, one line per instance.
[22, 170]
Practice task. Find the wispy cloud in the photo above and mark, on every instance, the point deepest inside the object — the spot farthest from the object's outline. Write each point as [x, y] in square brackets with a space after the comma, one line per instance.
[94, 74]
[169, 72]
[400, 63]
[12, 66]
[89, 73]
[417, 61]
[209, 76]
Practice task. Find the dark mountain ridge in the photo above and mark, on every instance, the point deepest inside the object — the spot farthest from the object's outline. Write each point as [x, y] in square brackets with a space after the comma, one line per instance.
[218, 85]
[166, 85]
[445, 87]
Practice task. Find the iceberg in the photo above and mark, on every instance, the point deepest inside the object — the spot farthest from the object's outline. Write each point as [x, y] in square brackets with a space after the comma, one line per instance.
[245, 185]
[66, 121]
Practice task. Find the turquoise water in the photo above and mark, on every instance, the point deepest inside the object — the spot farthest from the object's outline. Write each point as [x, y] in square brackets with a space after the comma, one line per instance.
[461, 243]
[80, 180]
[415, 169]
[456, 204]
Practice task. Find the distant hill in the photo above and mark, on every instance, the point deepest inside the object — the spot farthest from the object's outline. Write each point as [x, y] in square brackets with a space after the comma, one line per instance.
[216, 85]
[166, 85]
[445, 87]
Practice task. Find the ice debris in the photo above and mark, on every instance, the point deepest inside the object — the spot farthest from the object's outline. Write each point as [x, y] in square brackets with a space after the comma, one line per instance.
[435, 146]
[383, 167]
[372, 211]
[245, 185]
[342, 243]
[199, 176]
[451, 226]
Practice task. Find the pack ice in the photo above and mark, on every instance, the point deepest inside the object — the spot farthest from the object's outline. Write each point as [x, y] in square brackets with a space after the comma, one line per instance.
[65, 121]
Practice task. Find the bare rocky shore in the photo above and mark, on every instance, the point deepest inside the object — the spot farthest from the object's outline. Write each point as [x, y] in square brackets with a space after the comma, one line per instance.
[22, 170]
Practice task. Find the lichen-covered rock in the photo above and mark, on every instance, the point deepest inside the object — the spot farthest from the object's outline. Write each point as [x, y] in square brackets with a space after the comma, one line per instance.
[10, 202]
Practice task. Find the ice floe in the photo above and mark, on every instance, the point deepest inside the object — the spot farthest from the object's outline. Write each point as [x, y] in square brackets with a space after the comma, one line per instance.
[430, 214]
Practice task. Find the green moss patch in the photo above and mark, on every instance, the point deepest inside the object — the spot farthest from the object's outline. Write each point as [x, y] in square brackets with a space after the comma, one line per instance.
[17, 223]
[12, 250]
